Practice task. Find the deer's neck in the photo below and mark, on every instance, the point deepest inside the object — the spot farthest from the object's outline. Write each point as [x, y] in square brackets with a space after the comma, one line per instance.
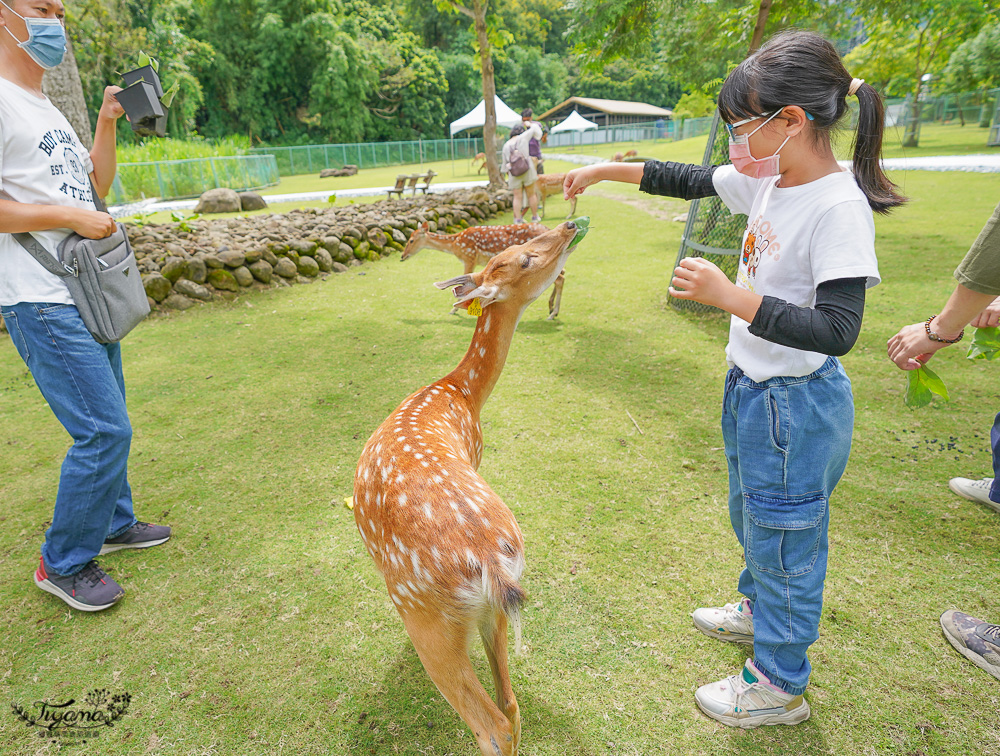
[445, 243]
[479, 370]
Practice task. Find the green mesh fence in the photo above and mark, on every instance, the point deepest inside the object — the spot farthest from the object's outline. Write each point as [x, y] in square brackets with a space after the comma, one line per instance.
[312, 158]
[176, 179]
[711, 230]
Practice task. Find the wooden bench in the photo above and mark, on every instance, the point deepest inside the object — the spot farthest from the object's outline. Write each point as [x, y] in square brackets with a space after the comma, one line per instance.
[398, 188]
[427, 178]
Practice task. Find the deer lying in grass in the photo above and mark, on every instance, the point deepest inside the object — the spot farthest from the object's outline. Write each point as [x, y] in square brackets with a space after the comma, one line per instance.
[450, 550]
[478, 245]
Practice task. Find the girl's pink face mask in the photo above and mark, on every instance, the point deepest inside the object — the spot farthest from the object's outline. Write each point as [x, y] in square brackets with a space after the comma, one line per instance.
[739, 151]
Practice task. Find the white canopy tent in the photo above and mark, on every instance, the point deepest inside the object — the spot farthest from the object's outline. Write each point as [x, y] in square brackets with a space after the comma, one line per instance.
[476, 118]
[574, 122]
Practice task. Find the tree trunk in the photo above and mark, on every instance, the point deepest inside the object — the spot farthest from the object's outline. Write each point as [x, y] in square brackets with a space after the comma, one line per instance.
[911, 137]
[489, 94]
[62, 85]
[758, 31]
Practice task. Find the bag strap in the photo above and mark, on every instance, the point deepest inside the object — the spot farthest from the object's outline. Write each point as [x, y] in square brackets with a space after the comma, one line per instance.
[36, 250]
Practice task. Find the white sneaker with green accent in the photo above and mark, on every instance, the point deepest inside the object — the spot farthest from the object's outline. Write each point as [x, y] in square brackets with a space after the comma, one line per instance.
[732, 623]
[749, 700]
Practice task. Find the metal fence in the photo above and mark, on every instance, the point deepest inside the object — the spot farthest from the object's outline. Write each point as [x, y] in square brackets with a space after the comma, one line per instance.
[177, 179]
[711, 230]
[682, 128]
[312, 158]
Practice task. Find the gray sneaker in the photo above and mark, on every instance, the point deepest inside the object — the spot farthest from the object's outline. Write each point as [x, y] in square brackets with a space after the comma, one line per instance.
[977, 641]
[142, 535]
[974, 490]
[89, 590]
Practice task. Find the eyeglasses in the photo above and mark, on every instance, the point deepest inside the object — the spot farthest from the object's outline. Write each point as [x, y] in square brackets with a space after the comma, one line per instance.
[731, 126]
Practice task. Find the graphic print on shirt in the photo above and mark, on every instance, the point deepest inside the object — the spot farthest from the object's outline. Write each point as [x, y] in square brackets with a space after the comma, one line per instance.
[62, 149]
[758, 241]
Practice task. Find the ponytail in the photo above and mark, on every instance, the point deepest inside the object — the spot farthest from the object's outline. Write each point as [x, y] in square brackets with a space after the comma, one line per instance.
[802, 68]
[867, 166]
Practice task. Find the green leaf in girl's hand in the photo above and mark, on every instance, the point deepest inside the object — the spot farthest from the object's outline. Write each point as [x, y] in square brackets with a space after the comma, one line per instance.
[985, 344]
[921, 385]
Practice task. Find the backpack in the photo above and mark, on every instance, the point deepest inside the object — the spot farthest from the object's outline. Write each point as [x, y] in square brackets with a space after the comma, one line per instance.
[519, 164]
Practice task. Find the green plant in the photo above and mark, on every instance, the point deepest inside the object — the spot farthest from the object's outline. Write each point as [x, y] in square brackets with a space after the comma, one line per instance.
[332, 199]
[184, 221]
[141, 218]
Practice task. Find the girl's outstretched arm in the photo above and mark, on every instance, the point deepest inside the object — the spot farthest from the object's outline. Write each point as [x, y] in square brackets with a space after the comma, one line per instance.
[579, 179]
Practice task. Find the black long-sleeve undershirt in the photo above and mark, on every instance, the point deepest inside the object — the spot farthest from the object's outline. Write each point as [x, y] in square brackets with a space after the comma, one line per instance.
[677, 180]
[831, 326]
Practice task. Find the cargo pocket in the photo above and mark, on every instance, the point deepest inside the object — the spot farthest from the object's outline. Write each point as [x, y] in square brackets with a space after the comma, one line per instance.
[783, 535]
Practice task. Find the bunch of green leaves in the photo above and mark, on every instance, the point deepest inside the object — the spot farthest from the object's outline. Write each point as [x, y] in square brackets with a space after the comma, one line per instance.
[921, 385]
[985, 344]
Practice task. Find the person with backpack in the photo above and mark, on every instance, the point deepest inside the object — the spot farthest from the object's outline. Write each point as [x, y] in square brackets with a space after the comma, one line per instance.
[521, 174]
[51, 180]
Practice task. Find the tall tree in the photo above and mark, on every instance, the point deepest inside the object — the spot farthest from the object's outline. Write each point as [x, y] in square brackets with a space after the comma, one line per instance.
[908, 39]
[488, 35]
[62, 85]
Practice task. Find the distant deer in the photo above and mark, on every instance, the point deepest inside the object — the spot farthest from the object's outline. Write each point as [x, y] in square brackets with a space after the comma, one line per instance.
[549, 184]
[449, 549]
[480, 158]
[478, 245]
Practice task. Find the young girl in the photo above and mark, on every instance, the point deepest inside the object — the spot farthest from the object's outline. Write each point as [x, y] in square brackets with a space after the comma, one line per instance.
[807, 258]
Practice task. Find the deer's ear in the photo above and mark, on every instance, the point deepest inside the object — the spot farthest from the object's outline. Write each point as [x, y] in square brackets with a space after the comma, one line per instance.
[463, 285]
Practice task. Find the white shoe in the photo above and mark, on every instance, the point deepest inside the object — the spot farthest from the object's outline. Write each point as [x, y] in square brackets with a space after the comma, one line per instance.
[749, 700]
[974, 490]
[732, 623]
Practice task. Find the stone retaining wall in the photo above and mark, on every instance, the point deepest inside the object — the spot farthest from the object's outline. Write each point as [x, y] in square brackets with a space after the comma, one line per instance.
[184, 264]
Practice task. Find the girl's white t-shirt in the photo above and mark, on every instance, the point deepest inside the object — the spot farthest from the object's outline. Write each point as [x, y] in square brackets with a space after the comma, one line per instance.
[42, 162]
[798, 237]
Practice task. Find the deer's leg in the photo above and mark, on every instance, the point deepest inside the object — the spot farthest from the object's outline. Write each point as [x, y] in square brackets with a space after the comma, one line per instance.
[572, 208]
[556, 297]
[494, 634]
[443, 649]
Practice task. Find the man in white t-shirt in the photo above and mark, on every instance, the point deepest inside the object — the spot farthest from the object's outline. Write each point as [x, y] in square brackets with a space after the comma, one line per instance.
[50, 179]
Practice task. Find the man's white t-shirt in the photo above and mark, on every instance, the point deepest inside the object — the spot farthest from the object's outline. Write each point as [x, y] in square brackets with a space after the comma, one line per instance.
[42, 162]
[798, 237]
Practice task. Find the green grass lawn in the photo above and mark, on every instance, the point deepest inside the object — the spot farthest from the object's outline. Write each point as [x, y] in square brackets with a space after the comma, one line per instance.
[262, 627]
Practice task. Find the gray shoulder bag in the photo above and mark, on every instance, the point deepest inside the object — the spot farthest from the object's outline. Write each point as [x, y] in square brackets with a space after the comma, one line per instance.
[102, 277]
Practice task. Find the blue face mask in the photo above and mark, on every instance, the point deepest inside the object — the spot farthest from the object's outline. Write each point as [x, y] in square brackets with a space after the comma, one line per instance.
[46, 43]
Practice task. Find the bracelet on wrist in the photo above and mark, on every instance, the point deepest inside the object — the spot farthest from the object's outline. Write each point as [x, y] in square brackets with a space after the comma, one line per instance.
[934, 337]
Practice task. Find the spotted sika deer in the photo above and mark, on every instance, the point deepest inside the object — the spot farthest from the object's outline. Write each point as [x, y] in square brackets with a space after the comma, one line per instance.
[449, 549]
[549, 184]
[477, 246]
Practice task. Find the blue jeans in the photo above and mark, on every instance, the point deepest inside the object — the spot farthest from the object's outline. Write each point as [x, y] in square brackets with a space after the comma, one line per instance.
[787, 443]
[995, 443]
[83, 384]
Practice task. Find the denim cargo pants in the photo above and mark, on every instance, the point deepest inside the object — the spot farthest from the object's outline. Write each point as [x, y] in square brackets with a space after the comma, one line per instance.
[787, 442]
